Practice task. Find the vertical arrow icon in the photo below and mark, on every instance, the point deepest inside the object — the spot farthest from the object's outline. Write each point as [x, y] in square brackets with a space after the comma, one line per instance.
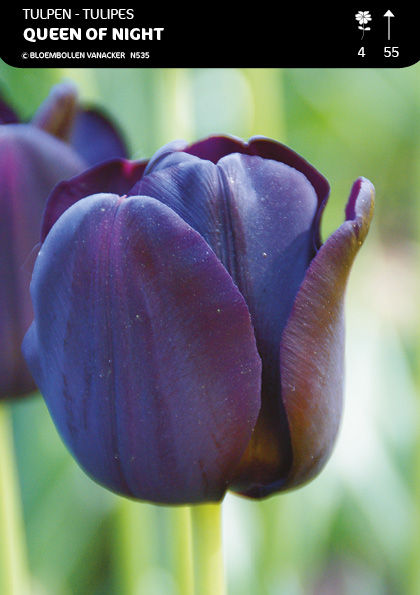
[389, 14]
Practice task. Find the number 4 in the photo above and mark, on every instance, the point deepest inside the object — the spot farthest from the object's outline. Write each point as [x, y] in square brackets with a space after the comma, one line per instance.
[361, 52]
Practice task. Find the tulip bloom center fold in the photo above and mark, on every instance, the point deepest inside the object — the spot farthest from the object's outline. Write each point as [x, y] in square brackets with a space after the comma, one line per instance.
[188, 335]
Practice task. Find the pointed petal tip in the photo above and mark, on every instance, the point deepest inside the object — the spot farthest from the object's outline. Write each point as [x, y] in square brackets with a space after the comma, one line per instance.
[360, 207]
[312, 351]
[57, 112]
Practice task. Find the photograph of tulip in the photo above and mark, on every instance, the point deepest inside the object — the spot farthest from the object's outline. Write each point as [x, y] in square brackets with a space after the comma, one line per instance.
[210, 331]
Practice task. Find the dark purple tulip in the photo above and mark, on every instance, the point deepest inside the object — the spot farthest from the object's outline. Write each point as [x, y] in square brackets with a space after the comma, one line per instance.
[35, 156]
[189, 333]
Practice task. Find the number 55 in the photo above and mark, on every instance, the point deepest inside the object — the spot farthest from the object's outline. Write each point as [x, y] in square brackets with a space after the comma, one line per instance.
[391, 52]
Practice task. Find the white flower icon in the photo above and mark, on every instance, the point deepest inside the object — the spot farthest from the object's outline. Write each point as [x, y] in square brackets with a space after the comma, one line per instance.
[363, 17]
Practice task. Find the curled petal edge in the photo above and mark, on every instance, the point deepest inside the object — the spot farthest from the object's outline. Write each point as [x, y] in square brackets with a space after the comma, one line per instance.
[116, 175]
[312, 348]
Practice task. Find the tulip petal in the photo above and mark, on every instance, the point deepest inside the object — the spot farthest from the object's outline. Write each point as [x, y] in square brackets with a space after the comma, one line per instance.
[31, 163]
[57, 112]
[96, 138]
[92, 134]
[260, 217]
[216, 147]
[116, 176]
[7, 114]
[144, 351]
[312, 349]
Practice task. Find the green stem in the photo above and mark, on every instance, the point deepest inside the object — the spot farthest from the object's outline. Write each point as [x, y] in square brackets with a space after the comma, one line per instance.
[139, 555]
[209, 576]
[134, 545]
[13, 565]
[182, 549]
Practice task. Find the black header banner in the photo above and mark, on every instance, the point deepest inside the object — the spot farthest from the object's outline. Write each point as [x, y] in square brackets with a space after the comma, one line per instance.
[216, 37]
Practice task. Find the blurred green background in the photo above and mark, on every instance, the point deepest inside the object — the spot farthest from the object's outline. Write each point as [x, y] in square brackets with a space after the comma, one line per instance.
[354, 529]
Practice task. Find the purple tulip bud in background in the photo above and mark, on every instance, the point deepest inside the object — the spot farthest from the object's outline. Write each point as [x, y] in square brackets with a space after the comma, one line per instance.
[189, 334]
[34, 157]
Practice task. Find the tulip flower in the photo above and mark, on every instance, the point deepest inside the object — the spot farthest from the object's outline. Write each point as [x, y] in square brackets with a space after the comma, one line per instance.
[189, 323]
[56, 144]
